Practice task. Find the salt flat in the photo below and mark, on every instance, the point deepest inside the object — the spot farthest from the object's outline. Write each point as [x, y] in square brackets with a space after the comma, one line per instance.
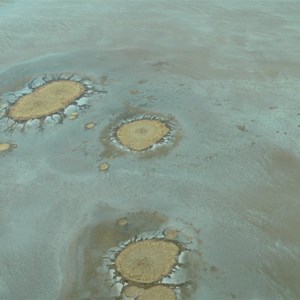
[227, 72]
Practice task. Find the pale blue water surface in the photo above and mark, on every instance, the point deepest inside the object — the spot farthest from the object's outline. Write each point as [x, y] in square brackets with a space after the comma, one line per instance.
[227, 73]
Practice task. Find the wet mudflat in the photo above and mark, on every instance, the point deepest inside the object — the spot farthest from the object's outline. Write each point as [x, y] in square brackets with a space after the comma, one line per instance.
[185, 130]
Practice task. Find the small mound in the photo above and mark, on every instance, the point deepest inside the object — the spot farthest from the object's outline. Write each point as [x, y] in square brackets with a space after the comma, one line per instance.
[104, 167]
[139, 135]
[89, 125]
[4, 147]
[158, 292]
[147, 261]
[46, 100]
[133, 291]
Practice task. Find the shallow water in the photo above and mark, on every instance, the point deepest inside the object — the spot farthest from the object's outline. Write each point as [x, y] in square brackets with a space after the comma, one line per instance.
[228, 73]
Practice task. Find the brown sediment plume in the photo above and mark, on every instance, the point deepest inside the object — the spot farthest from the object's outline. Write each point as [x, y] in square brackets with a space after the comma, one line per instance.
[140, 135]
[147, 261]
[138, 240]
[46, 100]
[159, 292]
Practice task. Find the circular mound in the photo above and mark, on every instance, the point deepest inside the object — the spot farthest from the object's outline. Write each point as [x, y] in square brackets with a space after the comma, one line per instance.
[158, 292]
[133, 291]
[139, 135]
[89, 125]
[74, 115]
[147, 261]
[122, 222]
[46, 100]
[104, 167]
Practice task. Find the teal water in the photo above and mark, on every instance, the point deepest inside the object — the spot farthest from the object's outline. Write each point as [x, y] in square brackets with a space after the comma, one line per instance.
[227, 72]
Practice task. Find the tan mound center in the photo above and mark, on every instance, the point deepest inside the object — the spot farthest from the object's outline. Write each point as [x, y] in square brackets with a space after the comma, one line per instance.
[46, 100]
[158, 292]
[141, 134]
[147, 261]
[4, 147]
